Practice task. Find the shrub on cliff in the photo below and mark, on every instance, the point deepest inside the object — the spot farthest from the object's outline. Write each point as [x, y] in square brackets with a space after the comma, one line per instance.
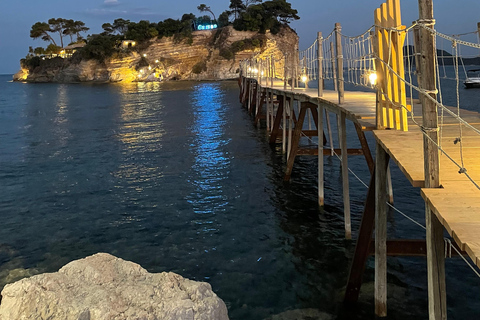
[199, 67]
[99, 47]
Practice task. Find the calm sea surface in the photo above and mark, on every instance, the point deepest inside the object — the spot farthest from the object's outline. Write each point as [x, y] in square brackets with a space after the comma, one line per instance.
[175, 177]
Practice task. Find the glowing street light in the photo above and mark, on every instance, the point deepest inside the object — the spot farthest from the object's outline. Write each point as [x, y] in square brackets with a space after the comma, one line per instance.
[144, 55]
[372, 77]
[304, 78]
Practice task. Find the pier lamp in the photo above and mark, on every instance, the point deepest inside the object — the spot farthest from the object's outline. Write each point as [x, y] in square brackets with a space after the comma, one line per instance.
[372, 78]
[304, 78]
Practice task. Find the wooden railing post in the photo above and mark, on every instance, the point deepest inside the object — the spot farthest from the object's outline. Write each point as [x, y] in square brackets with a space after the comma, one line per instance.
[338, 43]
[320, 63]
[285, 80]
[334, 71]
[437, 301]
[272, 70]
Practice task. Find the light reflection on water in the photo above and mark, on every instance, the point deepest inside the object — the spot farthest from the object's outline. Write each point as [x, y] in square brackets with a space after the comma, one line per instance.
[211, 164]
[175, 177]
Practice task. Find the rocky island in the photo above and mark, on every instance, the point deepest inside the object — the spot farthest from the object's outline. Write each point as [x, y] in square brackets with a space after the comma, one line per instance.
[191, 48]
[208, 57]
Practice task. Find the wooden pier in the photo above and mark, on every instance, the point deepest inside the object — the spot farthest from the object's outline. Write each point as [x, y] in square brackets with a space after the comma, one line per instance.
[425, 157]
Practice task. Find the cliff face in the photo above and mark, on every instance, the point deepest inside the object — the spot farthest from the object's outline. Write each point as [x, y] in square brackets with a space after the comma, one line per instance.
[204, 59]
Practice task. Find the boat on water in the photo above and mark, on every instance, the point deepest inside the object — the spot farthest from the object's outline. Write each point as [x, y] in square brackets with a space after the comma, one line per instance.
[473, 79]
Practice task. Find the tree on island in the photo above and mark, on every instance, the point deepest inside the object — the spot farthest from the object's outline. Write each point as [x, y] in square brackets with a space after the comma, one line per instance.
[73, 27]
[269, 15]
[204, 8]
[61, 26]
[119, 26]
[41, 30]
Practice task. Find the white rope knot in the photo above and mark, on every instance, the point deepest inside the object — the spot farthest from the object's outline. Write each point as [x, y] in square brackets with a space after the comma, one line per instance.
[462, 170]
[427, 130]
[430, 91]
[427, 22]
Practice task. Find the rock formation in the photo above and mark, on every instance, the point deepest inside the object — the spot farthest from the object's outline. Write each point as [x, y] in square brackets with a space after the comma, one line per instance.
[208, 57]
[102, 287]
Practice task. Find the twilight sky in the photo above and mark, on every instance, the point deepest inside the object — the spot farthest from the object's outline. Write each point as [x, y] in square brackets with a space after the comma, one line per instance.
[356, 16]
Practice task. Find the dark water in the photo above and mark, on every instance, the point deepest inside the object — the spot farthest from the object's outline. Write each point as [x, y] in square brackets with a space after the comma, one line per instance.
[175, 177]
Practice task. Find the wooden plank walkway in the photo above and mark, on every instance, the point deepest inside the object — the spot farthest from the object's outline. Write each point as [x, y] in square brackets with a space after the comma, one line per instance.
[457, 204]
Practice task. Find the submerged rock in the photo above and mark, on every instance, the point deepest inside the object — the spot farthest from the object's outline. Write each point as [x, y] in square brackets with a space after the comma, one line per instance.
[302, 314]
[102, 287]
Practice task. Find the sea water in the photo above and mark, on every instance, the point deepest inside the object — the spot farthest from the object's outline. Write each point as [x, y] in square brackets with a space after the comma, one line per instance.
[175, 177]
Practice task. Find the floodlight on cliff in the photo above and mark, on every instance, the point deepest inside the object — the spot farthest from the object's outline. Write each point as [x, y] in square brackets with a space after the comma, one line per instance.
[156, 61]
[144, 55]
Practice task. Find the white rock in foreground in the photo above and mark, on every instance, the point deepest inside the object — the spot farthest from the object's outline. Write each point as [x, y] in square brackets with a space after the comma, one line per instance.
[102, 287]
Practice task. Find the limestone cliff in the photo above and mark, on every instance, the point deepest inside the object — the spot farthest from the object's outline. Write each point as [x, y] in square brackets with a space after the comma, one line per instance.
[212, 55]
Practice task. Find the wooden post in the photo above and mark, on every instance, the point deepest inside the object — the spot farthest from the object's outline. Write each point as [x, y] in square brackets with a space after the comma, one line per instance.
[334, 72]
[284, 123]
[291, 110]
[292, 72]
[381, 210]
[297, 62]
[478, 34]
[305, 69]
[342, 137]
[321, 183]
[320, 64]
[285, 74]
[338, 43]
[437, 301]
[381, 115]
[272, 70]
[269, 102]
[330, 136]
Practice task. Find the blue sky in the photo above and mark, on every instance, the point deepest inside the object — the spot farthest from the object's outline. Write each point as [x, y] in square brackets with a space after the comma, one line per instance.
[16, 17]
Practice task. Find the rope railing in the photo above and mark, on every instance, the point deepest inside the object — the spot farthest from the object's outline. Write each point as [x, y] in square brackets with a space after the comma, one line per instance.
[360, 58]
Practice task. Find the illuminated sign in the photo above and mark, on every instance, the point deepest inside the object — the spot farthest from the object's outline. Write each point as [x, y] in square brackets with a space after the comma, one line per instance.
[207, 27]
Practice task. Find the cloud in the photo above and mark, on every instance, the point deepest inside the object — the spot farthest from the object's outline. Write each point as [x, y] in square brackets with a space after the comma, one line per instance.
[104, 12]
[111, 2]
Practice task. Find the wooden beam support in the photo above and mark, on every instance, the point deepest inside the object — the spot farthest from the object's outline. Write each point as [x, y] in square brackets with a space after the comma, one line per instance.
[294, 142]
[327, 152]
[364, 240]
[381, 210]
[321, 142]
[410, 248]
[365, 147]
[342, 137]
[277, 121]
